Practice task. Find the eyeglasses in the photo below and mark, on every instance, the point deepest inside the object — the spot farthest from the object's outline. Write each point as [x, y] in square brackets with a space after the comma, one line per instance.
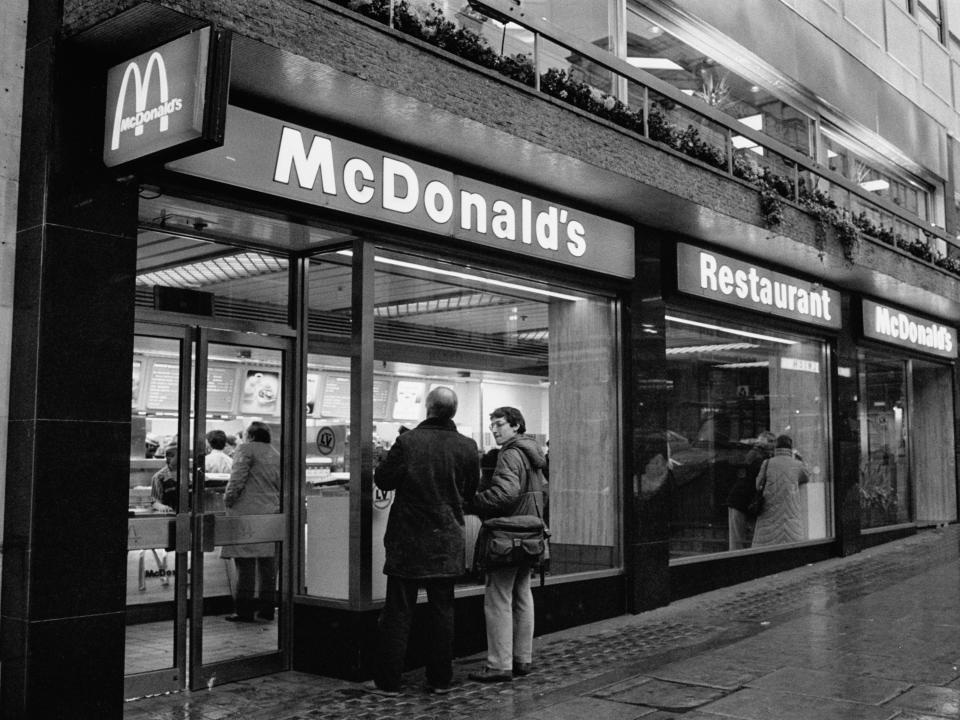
[497, 424]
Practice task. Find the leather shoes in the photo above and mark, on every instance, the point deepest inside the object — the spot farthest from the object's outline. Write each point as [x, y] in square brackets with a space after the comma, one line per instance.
[521, 669]
[240, 618]
[372, 687]
[490, 675]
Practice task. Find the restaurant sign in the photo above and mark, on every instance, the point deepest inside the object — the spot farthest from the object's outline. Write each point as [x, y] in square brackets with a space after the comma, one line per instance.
[267, 155]
[717, 277]
[168, 101]
[896, 327]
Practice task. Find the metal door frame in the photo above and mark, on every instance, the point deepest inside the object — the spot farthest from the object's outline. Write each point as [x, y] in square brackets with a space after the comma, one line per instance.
[188, 533]
[206, 528]
[174, 531]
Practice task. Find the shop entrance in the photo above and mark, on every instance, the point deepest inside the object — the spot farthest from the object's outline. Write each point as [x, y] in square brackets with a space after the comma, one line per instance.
[196, 391]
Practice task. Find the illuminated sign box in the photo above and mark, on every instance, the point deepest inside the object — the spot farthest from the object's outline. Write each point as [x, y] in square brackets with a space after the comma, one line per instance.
[714, 276]
[167, 102]
[904, 329]
[267, 155]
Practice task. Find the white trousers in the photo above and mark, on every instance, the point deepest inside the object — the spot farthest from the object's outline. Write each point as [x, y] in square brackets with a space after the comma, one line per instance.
[508, 609]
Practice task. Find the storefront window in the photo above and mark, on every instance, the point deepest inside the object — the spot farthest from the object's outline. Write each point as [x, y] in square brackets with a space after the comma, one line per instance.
[886, 492]
[905, 420]
[326, 450]
[730, 385]
[498, 341]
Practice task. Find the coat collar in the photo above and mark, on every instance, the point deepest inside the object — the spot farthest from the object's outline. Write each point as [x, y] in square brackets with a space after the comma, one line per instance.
[438, 424]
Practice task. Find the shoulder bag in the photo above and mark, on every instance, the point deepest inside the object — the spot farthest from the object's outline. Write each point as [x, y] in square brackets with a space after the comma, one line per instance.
[514, 540]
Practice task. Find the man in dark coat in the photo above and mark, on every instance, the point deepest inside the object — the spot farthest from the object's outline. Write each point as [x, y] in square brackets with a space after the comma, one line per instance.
[428, 468]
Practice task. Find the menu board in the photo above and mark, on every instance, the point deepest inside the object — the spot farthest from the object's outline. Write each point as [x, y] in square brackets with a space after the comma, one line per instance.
[261, 393]
[163, 388]
[221, 388]
[381, 397]
[336, 396]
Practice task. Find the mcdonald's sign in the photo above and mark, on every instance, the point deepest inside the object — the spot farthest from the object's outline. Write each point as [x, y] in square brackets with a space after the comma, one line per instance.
[167, 102]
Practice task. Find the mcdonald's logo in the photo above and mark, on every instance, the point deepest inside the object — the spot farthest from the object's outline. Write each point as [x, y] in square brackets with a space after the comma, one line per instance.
[156, 102]
[141, 85]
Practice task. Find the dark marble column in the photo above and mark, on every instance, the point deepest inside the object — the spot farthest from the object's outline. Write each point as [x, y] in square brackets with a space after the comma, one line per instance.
[62, 629]
[648, 498]
[847, 477]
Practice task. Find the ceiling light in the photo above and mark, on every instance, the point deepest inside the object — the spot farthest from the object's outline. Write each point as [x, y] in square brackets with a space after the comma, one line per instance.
[742, 143]
[743, 365]
[653, 63]
[731, 331]
[725, 347]
[874, 185]
[467, 276]
[753, 121]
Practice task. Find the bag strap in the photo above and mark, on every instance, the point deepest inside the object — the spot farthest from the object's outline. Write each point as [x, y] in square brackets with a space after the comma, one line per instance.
[536, 506]
[526, 489]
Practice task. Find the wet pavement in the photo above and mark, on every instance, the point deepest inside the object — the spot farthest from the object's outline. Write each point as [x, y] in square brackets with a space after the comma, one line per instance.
[870, 637]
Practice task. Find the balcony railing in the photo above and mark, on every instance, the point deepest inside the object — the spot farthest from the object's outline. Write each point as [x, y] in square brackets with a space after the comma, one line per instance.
[661, 113]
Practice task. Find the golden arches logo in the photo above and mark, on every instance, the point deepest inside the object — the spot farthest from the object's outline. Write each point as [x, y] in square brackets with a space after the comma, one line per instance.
[141, 89]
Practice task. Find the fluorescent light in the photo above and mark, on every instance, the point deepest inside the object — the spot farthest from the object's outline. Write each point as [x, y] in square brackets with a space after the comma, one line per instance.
[653, 63]
[753, 121]
[694, 349]
[875, 185]
[741, 143]
[467, 276]
[742, 365]
[731, 331]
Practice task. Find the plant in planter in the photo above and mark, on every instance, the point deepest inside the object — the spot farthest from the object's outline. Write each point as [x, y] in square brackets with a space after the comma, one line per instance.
[771, 205]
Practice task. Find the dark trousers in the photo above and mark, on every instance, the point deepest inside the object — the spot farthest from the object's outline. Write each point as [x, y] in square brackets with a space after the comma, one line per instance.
[247, 596]
[396, 620]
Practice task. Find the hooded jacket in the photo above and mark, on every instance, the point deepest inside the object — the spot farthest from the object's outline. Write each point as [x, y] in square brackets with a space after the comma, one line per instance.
[500, 495]
[428, 468]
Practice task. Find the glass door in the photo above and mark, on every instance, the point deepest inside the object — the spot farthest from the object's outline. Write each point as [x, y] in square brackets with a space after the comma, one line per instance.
[240, 524]
[158, 526]
[208, 508]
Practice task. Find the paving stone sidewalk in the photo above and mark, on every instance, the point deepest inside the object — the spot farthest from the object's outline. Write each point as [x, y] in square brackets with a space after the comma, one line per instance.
[873, 636]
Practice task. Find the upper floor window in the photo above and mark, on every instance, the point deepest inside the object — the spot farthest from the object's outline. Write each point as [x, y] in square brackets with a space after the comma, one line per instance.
[696, 73]
[845, 156]
[930, 17]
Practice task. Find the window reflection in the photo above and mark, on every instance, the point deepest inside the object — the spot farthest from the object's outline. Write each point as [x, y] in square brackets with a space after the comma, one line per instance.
[731, 388]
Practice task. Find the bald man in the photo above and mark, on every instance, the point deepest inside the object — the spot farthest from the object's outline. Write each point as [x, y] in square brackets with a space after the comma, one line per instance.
[428, 468]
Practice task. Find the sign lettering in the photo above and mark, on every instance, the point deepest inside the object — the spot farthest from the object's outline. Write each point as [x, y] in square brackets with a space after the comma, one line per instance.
[267, 155]
[714, 276]
[907, 330]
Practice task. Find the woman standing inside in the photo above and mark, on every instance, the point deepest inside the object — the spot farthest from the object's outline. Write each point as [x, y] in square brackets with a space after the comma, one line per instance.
[780, 522]
[254, 489]
[515, 488]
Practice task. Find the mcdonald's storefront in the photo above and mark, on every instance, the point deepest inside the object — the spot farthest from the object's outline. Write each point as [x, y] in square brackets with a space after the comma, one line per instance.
[227, 232]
